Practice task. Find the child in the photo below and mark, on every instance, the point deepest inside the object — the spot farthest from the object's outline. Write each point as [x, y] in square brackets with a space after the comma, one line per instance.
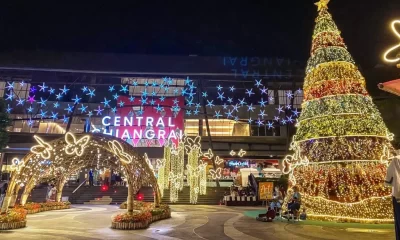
[303, 215]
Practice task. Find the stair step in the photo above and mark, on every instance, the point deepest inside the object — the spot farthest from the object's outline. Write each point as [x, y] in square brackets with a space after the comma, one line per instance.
[105, 200]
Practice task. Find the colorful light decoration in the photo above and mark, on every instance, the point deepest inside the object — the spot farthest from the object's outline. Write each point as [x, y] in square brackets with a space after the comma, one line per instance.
[146, 158]
[396, 47]
[118, 150]
[216, 174]
[160, 165]
[180, 162]
[43, 149]
[209, 154]
[218, 160]
[17, 165]
[167, 165]
[75, 146]
[341, 146]
[241, 153]
[188, 90]
[202, 171]
[176, 173]
[59, 165]
[193, 151]
[174, 180]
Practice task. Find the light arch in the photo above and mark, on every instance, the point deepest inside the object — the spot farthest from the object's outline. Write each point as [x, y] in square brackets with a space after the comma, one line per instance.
[67, 154]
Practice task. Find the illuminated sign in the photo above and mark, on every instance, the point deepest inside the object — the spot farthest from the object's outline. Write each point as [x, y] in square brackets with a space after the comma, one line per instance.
[238, 164]
[146, 125]
[139, 133]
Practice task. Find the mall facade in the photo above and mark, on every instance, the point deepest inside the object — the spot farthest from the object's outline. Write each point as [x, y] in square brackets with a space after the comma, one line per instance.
[245, 105]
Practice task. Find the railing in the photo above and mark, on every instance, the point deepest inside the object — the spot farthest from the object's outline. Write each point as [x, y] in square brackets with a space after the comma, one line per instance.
[80, 185]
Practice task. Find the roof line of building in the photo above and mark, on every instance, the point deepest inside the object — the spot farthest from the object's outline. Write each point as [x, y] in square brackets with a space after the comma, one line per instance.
[128, 72]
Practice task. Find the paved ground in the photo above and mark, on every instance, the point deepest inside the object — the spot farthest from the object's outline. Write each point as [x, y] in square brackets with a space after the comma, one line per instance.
[187, 222]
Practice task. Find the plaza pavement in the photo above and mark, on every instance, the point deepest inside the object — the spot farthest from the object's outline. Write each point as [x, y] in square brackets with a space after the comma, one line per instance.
[188, 222]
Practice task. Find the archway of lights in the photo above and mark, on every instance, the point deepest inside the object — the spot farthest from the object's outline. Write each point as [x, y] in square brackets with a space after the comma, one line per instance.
[64, 156]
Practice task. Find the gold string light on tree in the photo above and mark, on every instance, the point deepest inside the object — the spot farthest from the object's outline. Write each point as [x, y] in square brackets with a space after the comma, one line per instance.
[176, 173]
[342, 145]
[160, 166]
[193, 151]
[167, 165]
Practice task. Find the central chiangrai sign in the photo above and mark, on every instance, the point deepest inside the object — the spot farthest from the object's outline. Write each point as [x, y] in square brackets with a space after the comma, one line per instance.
[142, 127]
[146, 126]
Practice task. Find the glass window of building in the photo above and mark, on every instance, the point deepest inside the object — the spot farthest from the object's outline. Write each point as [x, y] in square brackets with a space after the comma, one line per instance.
[261, 131]
[218, 127]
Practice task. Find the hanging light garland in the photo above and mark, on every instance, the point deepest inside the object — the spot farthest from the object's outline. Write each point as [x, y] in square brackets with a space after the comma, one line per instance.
[160, 179]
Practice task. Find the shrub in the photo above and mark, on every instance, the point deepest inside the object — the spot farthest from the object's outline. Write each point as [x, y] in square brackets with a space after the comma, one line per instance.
[160, 210]
[54, 204]
[141, 216]
[137, 205]
[13, 215]
[31, 206]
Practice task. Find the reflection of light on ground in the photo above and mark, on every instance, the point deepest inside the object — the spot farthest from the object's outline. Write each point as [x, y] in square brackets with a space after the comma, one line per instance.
[363, 230]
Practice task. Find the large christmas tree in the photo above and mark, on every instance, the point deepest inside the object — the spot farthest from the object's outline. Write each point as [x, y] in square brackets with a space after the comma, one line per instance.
[342, 144]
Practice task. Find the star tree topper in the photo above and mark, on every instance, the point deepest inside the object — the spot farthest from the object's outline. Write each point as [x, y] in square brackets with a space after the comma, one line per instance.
[322, 4]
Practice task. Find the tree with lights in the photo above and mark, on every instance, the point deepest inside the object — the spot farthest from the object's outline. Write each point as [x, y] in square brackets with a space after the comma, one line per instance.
[342, 146]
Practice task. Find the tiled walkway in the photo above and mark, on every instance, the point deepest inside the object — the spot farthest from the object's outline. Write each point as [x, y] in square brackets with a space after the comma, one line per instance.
[187, 222]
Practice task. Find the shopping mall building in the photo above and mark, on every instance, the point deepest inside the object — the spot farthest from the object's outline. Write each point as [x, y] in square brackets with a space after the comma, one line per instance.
[236, 104]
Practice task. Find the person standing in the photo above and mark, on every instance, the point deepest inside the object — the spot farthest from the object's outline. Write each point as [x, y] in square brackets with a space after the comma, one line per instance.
[51, 194]
[107, 177]
[91, 177]
[3, 191]
[393, 180]
[113, 176]
[48, 195]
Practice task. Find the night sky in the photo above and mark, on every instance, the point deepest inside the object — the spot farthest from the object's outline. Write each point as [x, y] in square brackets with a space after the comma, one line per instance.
[248, 28]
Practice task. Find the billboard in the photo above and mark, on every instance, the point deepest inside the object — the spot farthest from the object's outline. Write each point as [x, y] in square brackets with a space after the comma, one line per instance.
[265, 190]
